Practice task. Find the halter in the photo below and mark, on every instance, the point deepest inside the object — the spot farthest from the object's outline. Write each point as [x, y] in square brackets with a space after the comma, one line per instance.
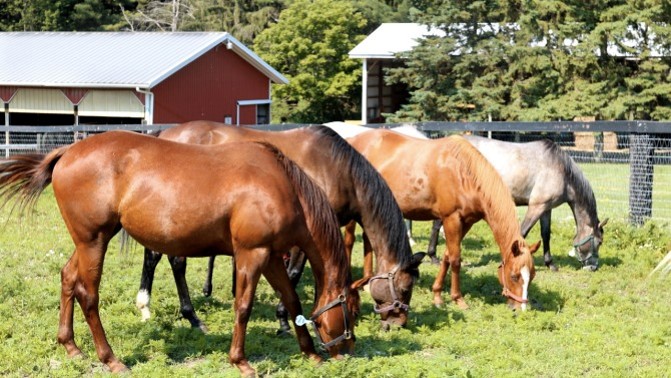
[592, 248]
[396, 304]
[509, 294]
[347, 334]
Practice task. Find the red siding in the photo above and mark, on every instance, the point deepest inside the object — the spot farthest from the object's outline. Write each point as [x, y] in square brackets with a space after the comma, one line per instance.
[209, 88]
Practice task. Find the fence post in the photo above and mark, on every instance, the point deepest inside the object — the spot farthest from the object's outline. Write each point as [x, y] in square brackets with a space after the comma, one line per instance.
[640, 179]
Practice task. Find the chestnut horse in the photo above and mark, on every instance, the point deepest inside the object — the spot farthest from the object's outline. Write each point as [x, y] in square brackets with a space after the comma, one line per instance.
[356, 192]
[449, 179]
[244, 199]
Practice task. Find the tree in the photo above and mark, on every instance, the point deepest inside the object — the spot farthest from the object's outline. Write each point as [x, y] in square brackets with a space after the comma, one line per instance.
[540, 60]
[309, 45]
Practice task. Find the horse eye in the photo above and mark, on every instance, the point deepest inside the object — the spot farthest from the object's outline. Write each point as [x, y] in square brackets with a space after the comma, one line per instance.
[515, 277]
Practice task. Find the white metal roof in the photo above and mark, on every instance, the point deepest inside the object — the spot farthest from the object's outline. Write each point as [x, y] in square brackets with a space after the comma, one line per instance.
[389, 39]
[109, 59]
[392, 38]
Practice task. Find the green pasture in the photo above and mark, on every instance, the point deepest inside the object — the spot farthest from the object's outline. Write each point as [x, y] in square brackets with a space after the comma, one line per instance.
[611, 323]
[610, 183]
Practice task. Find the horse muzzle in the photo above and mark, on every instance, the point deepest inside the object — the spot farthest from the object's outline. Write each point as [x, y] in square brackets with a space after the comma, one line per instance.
[589, 261]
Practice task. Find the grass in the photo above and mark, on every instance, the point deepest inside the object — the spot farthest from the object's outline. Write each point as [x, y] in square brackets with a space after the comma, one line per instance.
[610, 323]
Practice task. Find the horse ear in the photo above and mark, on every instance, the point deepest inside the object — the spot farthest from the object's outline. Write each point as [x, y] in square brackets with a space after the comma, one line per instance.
[359, 283]
[603, 222]
[515, 248]
[417, 259]
[534, 247]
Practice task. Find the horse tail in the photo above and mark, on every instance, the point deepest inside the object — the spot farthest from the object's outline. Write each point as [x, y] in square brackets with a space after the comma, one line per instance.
[320, 217]
[24, 177]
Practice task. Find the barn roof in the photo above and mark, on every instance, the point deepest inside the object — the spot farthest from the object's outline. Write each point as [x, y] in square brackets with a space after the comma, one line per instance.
[110, 59]
[390, 39]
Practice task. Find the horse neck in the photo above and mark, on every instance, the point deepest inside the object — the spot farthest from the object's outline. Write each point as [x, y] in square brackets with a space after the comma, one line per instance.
[496, 201]
[372, 202]
[506, 230]
[580, 198]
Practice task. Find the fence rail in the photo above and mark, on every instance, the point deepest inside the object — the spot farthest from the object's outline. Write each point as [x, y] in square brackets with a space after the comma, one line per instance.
[628, 163]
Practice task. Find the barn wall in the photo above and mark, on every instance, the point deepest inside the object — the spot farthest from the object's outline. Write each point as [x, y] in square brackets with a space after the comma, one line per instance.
[209, 88]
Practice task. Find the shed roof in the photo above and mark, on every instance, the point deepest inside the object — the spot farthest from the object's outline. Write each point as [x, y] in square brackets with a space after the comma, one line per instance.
[390, 39]
[109, 59]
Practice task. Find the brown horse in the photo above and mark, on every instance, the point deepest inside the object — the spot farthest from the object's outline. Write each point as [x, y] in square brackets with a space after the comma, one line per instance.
[356, 192]
[244, 199]
[449, 179]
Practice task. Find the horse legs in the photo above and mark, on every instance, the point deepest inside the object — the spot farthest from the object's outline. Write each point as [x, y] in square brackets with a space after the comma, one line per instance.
[207, 286]
[294, 269]
[249, 264]
[546, 220]
[66, 336]
[178, 265]
[350, 238]
[433, 241]
[142, 300]
[454, 231]
[544, 213]
[367, 257]
[83, 273]
[282, 283]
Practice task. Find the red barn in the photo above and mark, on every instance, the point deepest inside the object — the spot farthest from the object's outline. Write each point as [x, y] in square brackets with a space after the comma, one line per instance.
[66, 78]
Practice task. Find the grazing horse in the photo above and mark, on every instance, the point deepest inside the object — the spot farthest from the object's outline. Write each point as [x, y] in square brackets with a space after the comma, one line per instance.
[356, 192]
[449, 179]
[542, 176]
[243, 199]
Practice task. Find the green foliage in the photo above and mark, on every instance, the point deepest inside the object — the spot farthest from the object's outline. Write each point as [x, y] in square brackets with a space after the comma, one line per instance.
[547, 60]
[309, 45]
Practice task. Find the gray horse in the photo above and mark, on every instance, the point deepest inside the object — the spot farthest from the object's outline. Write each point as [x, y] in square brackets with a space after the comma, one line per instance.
[542, 176]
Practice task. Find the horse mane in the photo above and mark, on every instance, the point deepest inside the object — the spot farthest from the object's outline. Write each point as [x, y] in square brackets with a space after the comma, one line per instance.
[314, 201]
[372, 192]
[584, 193]
[498, 204]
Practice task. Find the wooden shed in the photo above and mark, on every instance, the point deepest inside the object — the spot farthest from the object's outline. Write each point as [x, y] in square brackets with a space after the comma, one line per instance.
[66, 78]
[379, 51]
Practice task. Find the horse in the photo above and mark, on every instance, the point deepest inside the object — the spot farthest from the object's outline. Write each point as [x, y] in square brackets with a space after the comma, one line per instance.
[542, 176]
[449, 179]
[244, 199]
[355, 191]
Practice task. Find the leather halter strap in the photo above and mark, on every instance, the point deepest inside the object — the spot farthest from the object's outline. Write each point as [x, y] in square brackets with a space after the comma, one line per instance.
[509, 294]
[396, 303]
[592, 248]
[347, 334]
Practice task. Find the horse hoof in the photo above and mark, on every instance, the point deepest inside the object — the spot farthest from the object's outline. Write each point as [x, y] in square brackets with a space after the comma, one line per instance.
[462, 304]
[552, 267]
[434, 260]
[118, 367]
[283, 332]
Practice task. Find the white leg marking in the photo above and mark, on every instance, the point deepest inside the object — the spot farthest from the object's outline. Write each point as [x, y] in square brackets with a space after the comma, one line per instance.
[142, 303]
[526, 277]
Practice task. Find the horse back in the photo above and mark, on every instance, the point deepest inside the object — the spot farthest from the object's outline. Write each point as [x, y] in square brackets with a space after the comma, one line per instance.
[530, 170]
[175, 198]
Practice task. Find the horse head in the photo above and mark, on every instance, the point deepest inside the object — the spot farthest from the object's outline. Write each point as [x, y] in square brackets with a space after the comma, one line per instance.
[333, 322]
[392, 292]
[586, 245]
[516, 273]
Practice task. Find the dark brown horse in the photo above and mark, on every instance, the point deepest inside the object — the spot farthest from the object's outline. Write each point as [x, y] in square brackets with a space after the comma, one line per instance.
[243, 199]
[356, 192]
[449, 179]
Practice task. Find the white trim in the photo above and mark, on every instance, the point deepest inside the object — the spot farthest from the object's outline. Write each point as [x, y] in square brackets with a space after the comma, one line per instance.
[253, 102]
[249, 103]
[148, 105]
[364, 93]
